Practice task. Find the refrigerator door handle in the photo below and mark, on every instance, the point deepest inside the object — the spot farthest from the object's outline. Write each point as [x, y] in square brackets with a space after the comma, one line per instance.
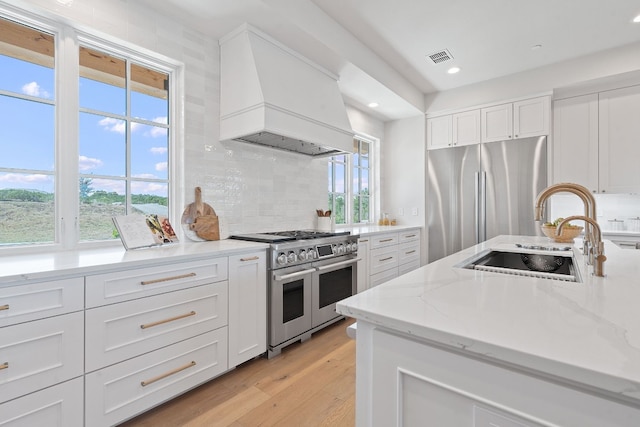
[477, 206]
[482, 211]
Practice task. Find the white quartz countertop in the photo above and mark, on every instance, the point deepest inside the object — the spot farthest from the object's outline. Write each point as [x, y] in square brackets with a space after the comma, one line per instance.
[370, 229]
[586, 333]
[18, 268]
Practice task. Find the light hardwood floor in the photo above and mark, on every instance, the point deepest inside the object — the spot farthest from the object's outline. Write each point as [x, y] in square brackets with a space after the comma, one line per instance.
[308, 384]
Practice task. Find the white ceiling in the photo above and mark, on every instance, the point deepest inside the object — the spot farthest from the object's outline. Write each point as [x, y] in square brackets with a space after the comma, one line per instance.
[379, 47]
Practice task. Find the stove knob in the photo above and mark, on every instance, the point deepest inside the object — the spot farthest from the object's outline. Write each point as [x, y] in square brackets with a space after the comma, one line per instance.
[302, 255]
[354, 247]
[340, 249]
[282, 258]
[291, 258]
[312, 254]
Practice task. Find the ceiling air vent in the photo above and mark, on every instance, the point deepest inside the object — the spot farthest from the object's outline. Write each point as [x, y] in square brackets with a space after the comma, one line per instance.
[440, 56]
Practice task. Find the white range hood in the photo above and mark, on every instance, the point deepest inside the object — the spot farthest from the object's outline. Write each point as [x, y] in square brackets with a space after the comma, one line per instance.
[271, 95]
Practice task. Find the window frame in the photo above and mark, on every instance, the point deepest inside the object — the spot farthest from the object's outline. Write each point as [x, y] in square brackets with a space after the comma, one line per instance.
[349, 191]
[68, 38]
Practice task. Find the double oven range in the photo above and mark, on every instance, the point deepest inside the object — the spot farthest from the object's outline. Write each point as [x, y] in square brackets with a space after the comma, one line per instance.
[309, 272]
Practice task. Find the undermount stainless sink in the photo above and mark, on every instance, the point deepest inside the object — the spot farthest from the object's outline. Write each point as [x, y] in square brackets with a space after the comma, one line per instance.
[541, 262]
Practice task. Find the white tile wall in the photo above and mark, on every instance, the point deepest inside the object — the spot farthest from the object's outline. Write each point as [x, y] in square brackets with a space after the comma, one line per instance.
[251, 188]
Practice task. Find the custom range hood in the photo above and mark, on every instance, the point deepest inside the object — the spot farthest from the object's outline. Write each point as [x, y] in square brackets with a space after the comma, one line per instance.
[270, 95]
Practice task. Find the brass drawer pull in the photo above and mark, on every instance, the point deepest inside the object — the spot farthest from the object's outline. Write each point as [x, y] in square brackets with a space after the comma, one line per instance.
[386, 240]
[171, 319]
[364, 241]
[4, 307]
[410, 235]
[253, 258]
[386, 259]
[410, 252]
[166, 374]
[5, 365]
[166, 279]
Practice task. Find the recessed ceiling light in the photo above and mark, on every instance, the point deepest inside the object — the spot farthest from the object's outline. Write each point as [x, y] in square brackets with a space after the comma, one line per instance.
[373, 104]
[453, 70]
[636, 19]
[65, 2]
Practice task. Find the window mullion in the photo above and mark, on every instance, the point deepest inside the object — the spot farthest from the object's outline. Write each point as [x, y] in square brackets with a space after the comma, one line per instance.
[67, 125]
[127, 84]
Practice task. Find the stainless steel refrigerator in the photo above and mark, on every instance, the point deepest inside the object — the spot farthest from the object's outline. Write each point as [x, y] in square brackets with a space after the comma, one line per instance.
[477, 192]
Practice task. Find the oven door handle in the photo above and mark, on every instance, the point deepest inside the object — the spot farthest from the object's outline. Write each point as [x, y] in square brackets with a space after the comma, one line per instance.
[338, 264]
[296, 274]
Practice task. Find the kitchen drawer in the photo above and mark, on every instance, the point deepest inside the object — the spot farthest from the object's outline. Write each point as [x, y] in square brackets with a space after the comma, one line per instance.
[409, 236]
[39, 354]
[126, 285]
[57, 406]
[410, 266]
[379, 278]
[382, 240]
[121, 331]
[122, 391]
[409, 252]
[383, 259]
[35, 301]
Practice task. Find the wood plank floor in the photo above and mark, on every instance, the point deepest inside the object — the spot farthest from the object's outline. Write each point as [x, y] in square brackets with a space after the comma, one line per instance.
[308, 384]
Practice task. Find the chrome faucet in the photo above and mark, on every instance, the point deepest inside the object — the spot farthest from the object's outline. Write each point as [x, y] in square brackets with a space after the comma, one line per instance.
[597, 244]
[589, 211]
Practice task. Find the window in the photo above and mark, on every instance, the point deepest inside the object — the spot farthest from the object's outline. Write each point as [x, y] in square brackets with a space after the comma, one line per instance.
[350, 189]
[72, 162]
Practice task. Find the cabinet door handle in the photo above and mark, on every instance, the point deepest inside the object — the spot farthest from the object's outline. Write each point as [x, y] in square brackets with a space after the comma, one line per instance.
[253, 258]
[386, 240]
[386, 259]
[4, 307]
[167, 374]
[5, 365]
[167, 279]
[410, 252]
[170, 319]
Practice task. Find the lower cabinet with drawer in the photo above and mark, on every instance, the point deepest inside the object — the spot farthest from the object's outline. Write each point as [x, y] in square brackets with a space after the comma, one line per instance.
[390, 255]
[121, 391]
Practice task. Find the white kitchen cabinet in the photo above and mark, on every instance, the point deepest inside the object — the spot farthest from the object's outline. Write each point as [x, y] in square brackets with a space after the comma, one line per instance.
[453, 129]
[390, 255]
[56, 406]
[466, 128]
[619, 141]
[121, 391]
[415, 383]
[439, 132]
[363, 264]
[520, 119]
[247, 307]
[121, 331]
[595, 140]
[575, 141]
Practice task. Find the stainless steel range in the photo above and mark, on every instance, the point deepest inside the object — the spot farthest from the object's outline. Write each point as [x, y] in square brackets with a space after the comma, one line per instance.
[309, 272]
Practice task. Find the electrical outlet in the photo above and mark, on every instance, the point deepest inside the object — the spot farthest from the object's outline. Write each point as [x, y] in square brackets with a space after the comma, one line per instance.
[208, 147]
[414, 211]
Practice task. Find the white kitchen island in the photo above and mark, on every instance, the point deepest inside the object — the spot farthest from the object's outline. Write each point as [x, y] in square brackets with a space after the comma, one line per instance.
[447, 346]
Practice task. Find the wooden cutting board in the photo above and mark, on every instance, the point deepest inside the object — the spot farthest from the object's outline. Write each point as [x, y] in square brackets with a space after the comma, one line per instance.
[199, 220]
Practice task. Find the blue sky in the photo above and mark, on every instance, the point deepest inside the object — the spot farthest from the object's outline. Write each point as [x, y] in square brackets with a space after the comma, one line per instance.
[27, 137]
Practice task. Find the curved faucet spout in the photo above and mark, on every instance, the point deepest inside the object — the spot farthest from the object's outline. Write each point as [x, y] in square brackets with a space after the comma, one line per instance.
[596, 243]
[585, 195]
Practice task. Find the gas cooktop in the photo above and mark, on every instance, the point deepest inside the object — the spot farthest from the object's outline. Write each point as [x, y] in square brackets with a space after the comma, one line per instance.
[285, 236]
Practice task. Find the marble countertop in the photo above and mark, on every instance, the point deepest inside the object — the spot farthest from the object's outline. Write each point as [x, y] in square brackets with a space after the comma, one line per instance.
[586, 333]
[20, 268]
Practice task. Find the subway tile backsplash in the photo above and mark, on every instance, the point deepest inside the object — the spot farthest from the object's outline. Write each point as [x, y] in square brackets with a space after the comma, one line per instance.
[251, 188]
[610, 209]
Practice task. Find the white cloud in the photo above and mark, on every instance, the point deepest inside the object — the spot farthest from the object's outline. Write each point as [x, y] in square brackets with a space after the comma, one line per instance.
[157, 132]
[34, 89]
[162, 166]
[18, 178]
[88, 163]
[149, 188]
[145, 176]
[162, 119]
[158, 150]
[113, 125]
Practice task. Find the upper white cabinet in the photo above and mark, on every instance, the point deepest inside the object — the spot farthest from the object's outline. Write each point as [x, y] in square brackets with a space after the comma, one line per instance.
[575, 141]
[520, 119]
[454, 129]
[619, 140]
[596, 140]
[511, 120]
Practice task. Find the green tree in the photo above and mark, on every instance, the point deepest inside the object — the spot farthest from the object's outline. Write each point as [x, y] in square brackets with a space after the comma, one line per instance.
[85, 188]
